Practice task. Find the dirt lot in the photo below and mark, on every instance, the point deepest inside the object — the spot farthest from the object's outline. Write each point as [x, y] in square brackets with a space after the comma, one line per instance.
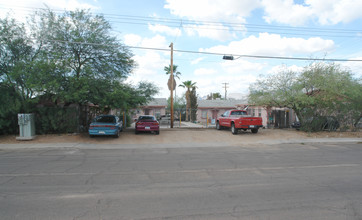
[175, 135]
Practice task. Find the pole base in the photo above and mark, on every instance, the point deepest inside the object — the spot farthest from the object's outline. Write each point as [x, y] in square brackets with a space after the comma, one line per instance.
[25, 138]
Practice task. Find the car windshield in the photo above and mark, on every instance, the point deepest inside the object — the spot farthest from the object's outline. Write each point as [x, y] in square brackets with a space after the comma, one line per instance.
[146, 118]
[106, 119]
[238, 113]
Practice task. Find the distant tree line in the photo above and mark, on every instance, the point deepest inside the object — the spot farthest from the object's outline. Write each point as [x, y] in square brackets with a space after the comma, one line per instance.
[64, 58]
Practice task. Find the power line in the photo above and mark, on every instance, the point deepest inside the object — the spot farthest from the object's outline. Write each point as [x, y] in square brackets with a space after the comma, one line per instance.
[178, 32]
[222, 26]
[272, 57]
[218, 54]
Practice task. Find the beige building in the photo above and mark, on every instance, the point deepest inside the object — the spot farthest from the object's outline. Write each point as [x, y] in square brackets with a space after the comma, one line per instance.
[156, 107]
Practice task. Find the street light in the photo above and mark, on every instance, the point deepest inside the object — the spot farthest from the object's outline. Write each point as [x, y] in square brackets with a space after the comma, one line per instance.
[229, 57]
[225, 57]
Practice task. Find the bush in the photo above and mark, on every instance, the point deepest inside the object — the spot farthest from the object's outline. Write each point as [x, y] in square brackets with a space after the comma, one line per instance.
[51, 120]
[320, 123]
[9, 109]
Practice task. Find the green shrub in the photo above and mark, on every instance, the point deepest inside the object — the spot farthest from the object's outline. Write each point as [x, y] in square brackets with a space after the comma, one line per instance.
[52, 120]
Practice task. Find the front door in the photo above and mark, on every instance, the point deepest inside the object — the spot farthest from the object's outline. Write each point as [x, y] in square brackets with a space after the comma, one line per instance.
[214, 114]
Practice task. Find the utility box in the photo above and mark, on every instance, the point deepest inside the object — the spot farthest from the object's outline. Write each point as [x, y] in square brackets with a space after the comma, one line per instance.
[26, 127]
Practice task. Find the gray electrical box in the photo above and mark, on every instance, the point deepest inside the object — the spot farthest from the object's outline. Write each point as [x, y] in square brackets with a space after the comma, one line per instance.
[26, 127]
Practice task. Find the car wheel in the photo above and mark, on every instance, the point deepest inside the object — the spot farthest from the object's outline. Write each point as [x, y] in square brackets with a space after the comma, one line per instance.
[117, 134]
[157, 132]
[218, 127]
[233, 129]
[254, 130]
[91, 136]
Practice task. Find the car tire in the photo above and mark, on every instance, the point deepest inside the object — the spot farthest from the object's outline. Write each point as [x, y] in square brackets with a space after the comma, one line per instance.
[218, 127]
[233, 129]
[157, 132]
[117, 134]
[254, 130]
[91, 136]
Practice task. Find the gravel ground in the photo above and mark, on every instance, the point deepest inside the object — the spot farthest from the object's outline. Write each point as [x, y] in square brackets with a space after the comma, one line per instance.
[182, 135]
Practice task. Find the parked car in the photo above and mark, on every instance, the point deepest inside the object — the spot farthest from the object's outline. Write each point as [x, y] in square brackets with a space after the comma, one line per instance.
[147, 123]
[167, 118]
[105, 125]
[296, 125]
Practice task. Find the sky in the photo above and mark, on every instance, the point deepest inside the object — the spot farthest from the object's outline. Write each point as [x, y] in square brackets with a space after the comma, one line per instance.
[202, 31]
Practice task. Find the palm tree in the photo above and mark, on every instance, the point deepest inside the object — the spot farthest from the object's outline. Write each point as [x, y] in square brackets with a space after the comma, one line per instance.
[175, 72]
[188, 85]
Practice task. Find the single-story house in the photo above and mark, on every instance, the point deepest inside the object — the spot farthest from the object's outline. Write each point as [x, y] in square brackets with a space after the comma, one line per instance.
[210, 110]
[272, 117]
[156, 107]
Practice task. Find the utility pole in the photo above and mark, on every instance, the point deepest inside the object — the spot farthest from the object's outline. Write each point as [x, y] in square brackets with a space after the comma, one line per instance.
[171, 45]
[225, 86]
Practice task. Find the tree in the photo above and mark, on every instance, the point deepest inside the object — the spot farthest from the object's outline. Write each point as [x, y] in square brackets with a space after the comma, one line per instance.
[176, 73]
[321, 89]
[213, 96]
[16, 59]
[67, 58]
[179, 105]
[278, 90]
[189, 85]
[193, 103]
[332, 91]
[81, 44]
[11, 105]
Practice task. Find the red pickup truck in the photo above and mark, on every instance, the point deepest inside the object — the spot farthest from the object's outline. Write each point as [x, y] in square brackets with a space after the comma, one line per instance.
[239, 119]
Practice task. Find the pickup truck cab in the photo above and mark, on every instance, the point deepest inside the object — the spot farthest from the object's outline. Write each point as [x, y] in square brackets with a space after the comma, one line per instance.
[239, 119]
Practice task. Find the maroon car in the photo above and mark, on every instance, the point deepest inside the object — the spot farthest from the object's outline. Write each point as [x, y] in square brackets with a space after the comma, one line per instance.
[147, 123]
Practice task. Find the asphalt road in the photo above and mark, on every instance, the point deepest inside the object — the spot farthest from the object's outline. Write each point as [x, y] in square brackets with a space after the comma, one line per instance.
[280, 181]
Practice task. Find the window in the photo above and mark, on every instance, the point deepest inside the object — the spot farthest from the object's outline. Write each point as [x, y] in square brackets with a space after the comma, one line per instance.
[259, 112]
[106, 119]
[226, 114]
[204, 114]
[253, 112]
[147, 117]
[158, 113]
[237, 113]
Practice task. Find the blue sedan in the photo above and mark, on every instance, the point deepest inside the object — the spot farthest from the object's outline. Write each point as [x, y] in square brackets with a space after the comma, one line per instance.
[105, 125]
